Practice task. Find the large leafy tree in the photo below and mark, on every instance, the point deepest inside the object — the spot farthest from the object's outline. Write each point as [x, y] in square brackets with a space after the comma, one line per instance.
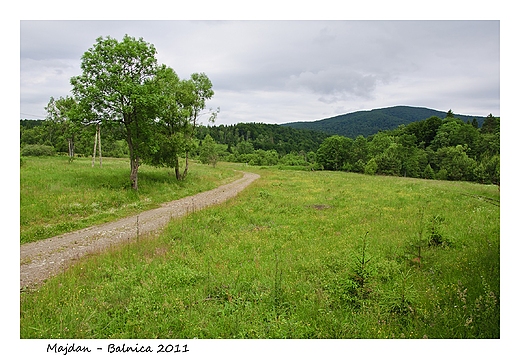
[424, 130]
[116, 88]
[334, 152]
[456, 163]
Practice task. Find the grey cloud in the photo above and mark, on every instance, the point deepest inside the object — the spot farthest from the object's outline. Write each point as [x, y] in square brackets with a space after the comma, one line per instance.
[328, 64]
[336, 84]
[325, 36]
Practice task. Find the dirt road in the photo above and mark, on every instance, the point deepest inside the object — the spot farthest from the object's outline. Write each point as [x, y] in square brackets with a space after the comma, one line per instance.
[43, 259]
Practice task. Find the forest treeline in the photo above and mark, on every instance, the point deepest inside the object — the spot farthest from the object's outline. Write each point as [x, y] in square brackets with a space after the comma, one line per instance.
[434, 148]
[445, 149]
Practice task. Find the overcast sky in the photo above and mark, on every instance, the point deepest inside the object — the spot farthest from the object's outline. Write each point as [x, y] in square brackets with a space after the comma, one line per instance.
[286, 71]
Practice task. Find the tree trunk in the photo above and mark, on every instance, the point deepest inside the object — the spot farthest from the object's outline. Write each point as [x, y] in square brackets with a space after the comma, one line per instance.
[134, 161]
[134, 166]
[185, 168]
[177, 171]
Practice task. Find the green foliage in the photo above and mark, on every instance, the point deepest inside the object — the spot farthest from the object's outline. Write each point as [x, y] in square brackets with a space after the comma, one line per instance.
[260, 158]
[456, 162]
[333, 152]
[244, 148]
[37, 150]
[371, 167]
[399, 301]
[488, 170]
[294, 159]
[442, 174]
[424, 131]
[265, 137]
[389, 162]
[443, 149]
[428, 172]
[361, 271]
[491, 125]
[208, 151]
[435, 237]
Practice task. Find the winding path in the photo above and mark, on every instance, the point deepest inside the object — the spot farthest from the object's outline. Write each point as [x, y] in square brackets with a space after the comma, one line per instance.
[43, 259]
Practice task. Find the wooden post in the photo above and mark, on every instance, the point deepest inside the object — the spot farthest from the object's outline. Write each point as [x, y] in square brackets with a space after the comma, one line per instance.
[95, 145]
[99, 138]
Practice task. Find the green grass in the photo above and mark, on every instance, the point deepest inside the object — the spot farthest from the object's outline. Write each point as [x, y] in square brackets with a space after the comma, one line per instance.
[58, 197]
[285, 260]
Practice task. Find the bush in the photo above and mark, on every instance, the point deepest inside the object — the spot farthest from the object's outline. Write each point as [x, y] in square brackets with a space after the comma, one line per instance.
[428, 172]
[442, 175]
[371, 167]
[37, 150]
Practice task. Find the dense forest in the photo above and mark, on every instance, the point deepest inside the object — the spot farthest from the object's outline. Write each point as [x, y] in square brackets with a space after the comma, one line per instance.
[445, 148]
[368, 123]
[265, 137]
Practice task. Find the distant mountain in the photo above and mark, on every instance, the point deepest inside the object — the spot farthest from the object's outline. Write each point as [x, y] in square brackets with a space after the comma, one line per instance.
[367, 123]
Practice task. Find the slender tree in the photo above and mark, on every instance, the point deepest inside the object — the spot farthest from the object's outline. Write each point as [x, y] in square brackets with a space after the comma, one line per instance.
[197, 90]
[164, 150]
[208, 151]
[61, 114]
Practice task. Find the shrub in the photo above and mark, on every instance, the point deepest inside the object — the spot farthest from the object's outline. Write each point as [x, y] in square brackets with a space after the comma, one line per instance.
[371, 167]
[37, 150]
[428, 172]
[442, 175]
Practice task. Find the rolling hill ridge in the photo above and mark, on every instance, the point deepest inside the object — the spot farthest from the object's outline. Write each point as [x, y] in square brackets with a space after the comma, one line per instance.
[370, 122]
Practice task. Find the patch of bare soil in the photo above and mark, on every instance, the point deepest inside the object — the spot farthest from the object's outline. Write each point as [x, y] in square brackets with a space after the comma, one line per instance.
[46, 258]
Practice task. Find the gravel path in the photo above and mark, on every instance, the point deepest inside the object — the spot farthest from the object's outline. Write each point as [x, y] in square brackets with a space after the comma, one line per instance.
[42, 259]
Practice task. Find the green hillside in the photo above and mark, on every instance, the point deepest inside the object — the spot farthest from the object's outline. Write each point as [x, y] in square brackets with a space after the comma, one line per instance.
[367, 123]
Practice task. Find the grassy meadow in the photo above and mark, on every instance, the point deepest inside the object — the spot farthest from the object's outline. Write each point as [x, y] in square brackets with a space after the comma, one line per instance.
[296, 255]
[57, 197]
